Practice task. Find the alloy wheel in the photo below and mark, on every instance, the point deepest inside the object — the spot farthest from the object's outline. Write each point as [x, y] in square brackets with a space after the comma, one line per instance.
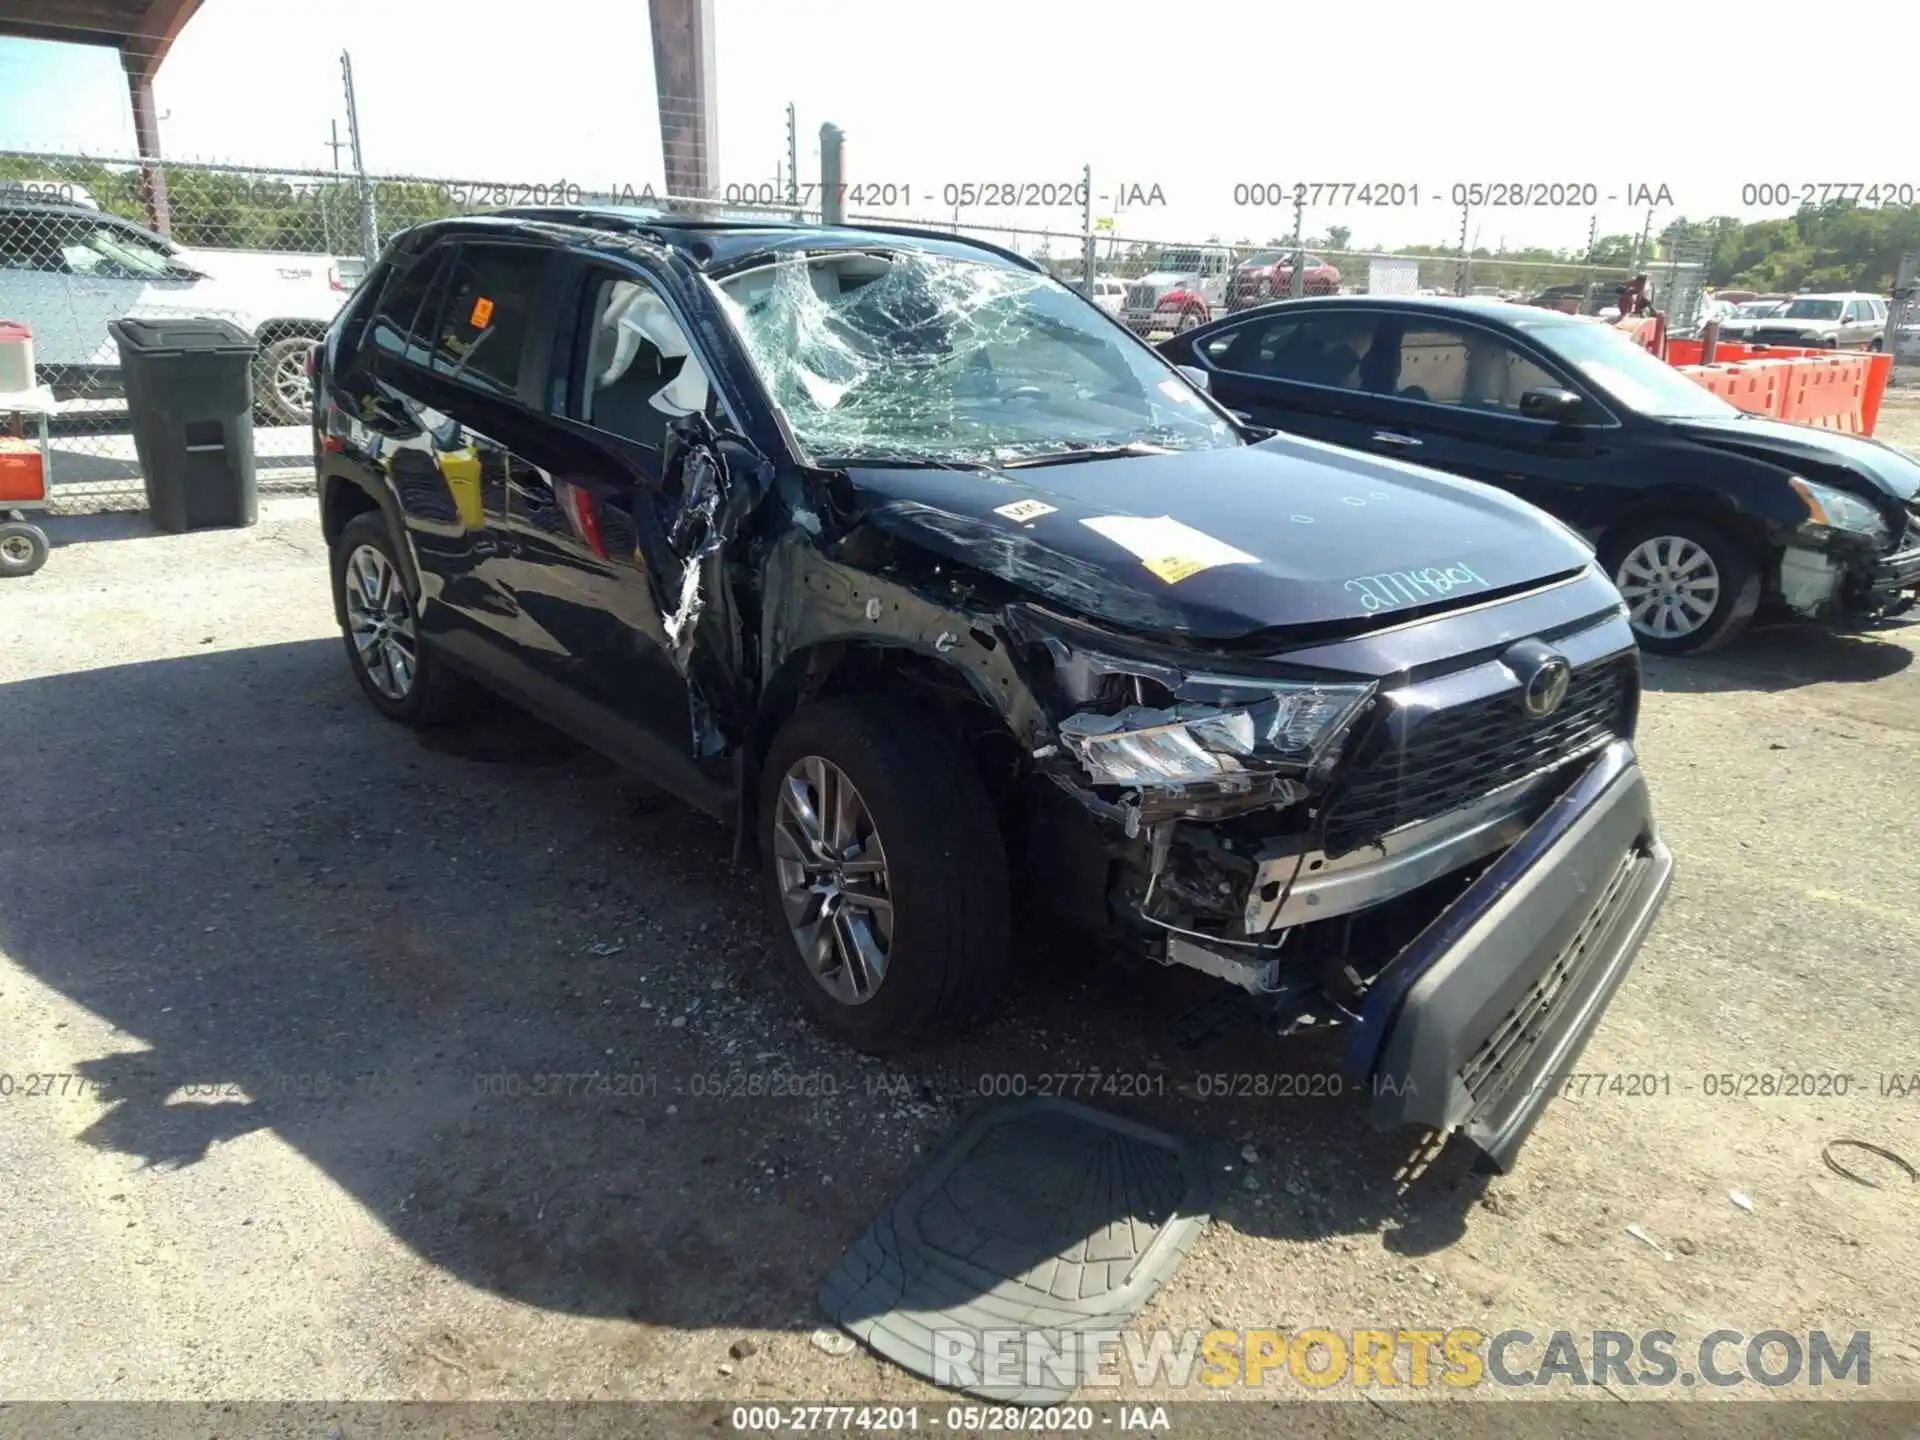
[380, 620]
[292, 386]
[832, 873]
[1671, 586]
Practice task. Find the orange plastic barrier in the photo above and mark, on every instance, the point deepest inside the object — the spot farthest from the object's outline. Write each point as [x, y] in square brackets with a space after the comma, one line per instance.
[1810, 387]
[1830, 393]
[1732, 352]
[1879, 372]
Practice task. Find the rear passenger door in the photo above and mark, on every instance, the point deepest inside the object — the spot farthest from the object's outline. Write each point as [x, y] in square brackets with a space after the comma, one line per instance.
[458, 349]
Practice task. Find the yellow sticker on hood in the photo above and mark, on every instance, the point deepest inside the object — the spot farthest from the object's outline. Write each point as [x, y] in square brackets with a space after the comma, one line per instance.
[1170, 550]
[1024, 510]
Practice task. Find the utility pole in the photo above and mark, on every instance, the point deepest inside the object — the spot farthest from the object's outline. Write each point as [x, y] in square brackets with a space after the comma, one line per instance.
[1466, 252]
[832, 186]
[369, 226]
[331, 194]
[1593, 249]
[1087, 262]
[793, 161]
[1298, 284]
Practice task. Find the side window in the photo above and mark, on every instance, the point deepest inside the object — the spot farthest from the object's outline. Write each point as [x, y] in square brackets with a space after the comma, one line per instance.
[27, 242]
[487, 314]
[107, 252]
[635, 371]
[1855, 313]
[1460, 365]
[401, 317]
[1330, 350]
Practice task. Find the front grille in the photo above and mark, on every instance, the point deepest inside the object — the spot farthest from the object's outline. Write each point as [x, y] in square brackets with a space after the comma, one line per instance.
[1140, 297]
[1489, 1071]
[1778, 337]
[1456, 756]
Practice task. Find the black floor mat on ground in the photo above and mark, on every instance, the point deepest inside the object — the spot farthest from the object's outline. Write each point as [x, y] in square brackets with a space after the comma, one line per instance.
[1039, 1215]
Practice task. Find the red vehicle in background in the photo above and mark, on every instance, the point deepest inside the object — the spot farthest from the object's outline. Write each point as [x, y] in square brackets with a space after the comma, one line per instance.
[1268, 275]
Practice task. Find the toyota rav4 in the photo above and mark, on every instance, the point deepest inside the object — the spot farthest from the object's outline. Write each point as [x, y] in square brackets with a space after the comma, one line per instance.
[928, 579]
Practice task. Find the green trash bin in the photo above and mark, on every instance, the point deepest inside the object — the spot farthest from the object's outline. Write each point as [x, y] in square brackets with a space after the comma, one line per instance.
[189, 384]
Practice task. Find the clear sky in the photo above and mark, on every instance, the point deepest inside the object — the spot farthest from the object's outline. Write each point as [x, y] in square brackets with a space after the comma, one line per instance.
[1195, 98]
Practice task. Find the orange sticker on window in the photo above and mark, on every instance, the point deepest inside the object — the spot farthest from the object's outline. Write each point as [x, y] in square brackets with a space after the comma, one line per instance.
[482, 312]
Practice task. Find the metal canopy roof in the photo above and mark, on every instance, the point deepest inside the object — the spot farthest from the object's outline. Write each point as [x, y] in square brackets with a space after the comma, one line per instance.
[141, 30]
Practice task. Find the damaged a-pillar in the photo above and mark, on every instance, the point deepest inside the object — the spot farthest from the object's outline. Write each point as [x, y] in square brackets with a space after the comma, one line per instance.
[714, 482]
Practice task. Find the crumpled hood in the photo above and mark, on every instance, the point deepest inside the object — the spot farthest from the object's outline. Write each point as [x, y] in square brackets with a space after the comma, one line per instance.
[1219, 544]
[1809, 448]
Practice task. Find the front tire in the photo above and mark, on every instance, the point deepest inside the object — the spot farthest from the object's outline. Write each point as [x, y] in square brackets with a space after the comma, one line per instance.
[379, 622]
[1690, 587]
[885, 870]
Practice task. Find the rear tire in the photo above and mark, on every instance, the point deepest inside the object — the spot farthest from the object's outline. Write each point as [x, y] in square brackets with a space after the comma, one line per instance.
[919, 833]
[1690, 587]
[282, 390]
[380, 625]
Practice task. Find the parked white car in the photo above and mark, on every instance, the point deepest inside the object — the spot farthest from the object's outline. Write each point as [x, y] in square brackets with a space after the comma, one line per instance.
[67, 271]
[1110, 295]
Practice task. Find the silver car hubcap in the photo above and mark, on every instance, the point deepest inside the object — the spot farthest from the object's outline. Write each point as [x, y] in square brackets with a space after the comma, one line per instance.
[291, 381]
[17, 548]
[833, 880]
[1671, 586]
[380, 620]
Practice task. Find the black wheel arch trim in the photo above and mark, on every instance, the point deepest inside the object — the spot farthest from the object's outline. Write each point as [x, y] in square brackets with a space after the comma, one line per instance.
[338, 505]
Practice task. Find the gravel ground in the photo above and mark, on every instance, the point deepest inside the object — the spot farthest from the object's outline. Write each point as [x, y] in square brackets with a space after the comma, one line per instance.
[300, 950]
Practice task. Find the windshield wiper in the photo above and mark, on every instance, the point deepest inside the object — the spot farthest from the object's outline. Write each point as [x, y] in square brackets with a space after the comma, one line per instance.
[1083, 450]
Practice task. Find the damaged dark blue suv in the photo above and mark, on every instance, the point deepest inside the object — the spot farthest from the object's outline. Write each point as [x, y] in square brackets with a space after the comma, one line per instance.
[930, 579]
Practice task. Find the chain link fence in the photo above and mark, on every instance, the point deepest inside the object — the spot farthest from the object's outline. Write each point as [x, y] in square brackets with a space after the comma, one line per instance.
[1903, 324]
[279, 251]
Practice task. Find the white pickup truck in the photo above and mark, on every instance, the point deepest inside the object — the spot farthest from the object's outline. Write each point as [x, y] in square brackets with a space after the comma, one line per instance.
[66, 271]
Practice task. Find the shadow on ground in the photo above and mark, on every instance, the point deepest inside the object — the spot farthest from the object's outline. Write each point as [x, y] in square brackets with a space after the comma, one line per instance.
[526, 1013]
[1785, 656]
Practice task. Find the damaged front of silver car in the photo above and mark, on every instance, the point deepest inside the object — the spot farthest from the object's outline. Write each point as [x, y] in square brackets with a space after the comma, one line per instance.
[1351, 737]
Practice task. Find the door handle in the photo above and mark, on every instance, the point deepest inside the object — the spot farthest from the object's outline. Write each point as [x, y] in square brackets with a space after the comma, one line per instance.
[1394, 437]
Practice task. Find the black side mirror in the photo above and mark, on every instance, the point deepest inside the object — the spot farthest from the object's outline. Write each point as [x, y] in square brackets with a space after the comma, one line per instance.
[1550, 402]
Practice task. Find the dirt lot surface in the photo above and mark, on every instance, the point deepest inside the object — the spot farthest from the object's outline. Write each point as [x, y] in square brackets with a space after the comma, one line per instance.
[307, 968]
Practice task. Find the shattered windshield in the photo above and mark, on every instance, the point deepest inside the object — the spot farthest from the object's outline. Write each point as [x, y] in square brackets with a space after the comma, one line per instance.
[919, 357]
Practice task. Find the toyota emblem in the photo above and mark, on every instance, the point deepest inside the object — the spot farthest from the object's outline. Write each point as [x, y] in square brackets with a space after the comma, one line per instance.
[1546, 687]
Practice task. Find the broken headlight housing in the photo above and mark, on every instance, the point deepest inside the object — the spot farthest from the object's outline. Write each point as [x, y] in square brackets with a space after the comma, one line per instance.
[1830, 510]
[1291, 730]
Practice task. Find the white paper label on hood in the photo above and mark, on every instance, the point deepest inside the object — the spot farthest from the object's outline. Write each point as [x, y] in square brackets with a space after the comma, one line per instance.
[1171, 550]
[1024, 510]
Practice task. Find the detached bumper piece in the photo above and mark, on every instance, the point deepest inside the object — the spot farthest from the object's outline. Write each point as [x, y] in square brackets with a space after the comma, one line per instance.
[1472, 1026]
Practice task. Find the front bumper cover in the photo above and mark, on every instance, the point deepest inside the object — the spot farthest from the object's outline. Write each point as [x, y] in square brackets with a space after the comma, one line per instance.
[1471, 1027]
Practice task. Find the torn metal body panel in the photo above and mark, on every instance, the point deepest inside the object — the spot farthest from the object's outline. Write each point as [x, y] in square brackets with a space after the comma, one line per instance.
[1284, 715]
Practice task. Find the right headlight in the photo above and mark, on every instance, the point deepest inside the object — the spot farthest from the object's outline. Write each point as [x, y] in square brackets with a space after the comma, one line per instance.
[1288, 733]
[1829, 509]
